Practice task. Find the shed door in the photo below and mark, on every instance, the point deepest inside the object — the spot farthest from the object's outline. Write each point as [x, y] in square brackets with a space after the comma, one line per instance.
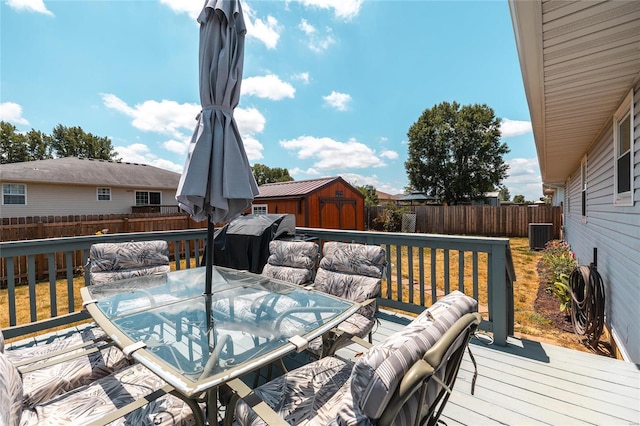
[338, 213]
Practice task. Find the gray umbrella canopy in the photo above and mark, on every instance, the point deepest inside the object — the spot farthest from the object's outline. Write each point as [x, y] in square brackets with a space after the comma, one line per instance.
[217, 182]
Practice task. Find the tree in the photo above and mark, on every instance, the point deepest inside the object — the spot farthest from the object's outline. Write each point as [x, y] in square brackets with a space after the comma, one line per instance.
[370, 195]
[264, 174]
[13, 145]
[74, 142]
[455, 152]
[518, 199]
[504, 193]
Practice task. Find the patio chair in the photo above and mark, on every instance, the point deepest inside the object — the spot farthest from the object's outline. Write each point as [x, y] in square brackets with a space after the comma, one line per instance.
[405, 379]
[354, 272]
[132, 395]
[291, 261]
[110, 262]
[58, 362]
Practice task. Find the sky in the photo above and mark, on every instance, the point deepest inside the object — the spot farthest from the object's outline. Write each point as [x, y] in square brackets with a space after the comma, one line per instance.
[330, 87]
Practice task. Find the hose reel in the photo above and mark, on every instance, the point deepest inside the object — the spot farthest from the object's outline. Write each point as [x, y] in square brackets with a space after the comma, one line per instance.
[587, 302]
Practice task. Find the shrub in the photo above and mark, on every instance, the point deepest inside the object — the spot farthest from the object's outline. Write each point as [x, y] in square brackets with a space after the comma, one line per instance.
[391, 218]
[559, 261]
[562, 290]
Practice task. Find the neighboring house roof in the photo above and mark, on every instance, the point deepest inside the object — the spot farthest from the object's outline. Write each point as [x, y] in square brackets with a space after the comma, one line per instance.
[417, 196]
[385, 196]
[80, 171]
[578, 60]
[297, 188]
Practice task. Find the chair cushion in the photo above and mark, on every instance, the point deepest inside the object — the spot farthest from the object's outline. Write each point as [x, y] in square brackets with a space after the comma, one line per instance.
[302, 394]
[285, 273]
[125, 260]
[357, 259]
[378, 372]
[353, 287]
[45, 383]
[10, 393]
[1, 341]
[88, 403]
[294, 254]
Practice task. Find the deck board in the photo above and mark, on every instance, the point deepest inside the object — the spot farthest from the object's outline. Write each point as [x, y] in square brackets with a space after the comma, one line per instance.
[529, 382]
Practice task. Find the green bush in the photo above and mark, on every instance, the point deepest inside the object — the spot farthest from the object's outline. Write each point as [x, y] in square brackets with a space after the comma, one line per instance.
[562, 290]
[559, 261]
[391, 218]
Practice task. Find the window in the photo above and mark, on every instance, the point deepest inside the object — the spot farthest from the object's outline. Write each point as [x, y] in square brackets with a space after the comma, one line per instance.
[623, 153]
[104, 194]
[260, 209]
[14, 193]
[583, 185]
[145, 198]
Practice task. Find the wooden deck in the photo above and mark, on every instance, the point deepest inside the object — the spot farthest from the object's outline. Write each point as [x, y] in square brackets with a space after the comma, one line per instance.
[527, 383]
[532, 383]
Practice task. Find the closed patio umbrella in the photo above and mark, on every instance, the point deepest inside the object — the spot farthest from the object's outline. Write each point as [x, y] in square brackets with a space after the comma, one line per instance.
[217, 183]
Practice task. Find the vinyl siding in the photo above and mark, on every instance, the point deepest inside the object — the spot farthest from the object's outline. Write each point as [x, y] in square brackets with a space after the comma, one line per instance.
[614, 231]
[61, 200]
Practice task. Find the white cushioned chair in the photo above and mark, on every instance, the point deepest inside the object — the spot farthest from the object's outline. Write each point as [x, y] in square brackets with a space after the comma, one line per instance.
[92, 402]
[63, 360]
[397, 381]
[116, 261]
[354, 272]
[292, 261]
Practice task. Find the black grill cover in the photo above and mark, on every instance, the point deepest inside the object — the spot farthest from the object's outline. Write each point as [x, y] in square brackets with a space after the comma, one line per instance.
[244, 243]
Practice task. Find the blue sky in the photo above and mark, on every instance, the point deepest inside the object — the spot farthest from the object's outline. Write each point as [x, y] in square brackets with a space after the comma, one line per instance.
[330, 87]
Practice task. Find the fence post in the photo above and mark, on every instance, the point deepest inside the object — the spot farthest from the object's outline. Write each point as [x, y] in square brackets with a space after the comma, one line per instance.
[125, 224]
[499, 304]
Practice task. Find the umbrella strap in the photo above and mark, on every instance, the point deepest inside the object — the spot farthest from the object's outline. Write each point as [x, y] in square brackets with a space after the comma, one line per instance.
[220, 108]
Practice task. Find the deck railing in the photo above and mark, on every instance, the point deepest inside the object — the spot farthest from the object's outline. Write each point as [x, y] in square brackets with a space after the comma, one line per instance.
[481, 267]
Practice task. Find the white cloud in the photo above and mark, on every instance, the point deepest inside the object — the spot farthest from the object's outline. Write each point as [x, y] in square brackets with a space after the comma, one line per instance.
[514, 127]
[191, 8]
[37, 6]
[337, 100]
[303, 76]
[268, 86]
[12, 113]
[267, 31]
[165, 117]
[333, 155]
[316, 42]
[344, 9]
[140, 153]
[524, 178]
[390, 155]
[179, 121]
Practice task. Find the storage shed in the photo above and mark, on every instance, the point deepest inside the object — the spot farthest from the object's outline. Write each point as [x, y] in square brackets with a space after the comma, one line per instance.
[330, 203]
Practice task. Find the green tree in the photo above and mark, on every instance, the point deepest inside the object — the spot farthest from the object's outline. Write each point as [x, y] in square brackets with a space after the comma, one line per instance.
[75, 142]
[504, 193]
[518, 199]
[370, 195]
[455, 152]
[264, 174]
[38, 145]
[13, 145]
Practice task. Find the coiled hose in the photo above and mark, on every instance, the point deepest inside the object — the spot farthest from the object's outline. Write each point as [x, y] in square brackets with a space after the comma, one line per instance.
[587, 304]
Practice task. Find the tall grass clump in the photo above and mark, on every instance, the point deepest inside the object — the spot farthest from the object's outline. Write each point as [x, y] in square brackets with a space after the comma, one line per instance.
[559, 261]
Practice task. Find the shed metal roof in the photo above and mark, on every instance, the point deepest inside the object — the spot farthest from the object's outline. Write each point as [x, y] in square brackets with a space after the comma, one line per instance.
[82, 171]
[293, 188]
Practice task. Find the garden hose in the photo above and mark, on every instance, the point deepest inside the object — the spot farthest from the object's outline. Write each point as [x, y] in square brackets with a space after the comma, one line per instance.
[587, 304]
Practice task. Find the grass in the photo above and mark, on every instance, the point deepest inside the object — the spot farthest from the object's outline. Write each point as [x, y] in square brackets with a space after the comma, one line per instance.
[528, 323]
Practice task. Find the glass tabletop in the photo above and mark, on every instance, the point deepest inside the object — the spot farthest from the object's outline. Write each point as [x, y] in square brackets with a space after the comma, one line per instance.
[196, 341]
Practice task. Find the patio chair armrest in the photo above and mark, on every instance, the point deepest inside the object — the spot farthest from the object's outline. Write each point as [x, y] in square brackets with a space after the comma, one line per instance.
[334, 339]
[61, 356]
[261, 408]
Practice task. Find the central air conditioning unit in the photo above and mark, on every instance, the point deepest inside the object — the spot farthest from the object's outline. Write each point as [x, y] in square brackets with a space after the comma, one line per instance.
[539, 235]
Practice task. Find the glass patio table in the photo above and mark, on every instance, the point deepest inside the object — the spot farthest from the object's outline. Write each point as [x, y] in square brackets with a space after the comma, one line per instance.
[197, 342]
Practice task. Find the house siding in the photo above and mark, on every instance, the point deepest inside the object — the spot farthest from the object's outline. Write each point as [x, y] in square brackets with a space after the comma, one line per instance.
[614, 231]
[61, 200]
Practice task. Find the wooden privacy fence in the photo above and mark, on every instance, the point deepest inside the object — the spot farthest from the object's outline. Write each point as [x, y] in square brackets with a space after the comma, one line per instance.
[488, 221]
[30, 228]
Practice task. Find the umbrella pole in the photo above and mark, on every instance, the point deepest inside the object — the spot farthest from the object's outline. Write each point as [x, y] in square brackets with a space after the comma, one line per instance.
[209, 259]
